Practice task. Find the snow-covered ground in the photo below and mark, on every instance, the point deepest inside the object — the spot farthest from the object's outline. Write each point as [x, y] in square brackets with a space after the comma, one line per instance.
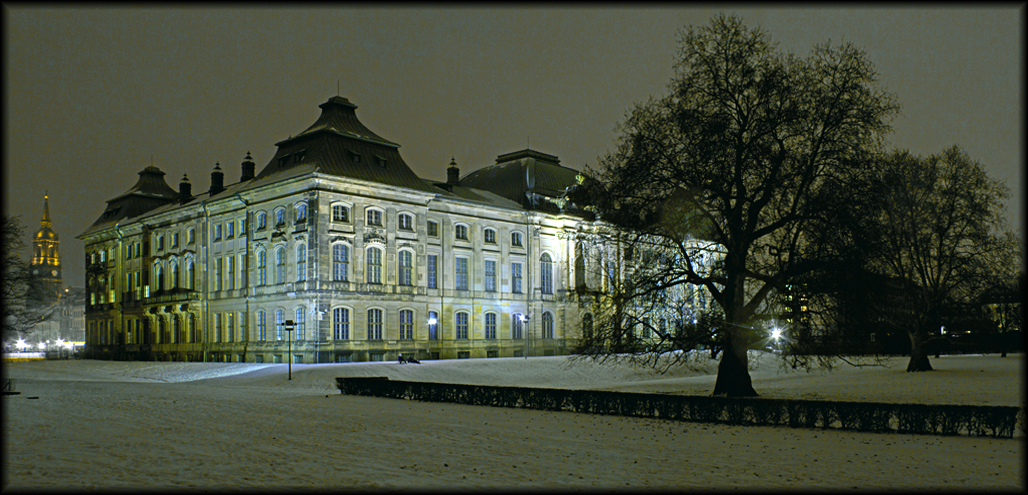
[100, 424]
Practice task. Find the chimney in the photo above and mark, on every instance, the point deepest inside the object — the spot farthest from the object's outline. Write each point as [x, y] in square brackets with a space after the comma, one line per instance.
[185, 190]
[217, 180]
[452, 173]
[248, 168]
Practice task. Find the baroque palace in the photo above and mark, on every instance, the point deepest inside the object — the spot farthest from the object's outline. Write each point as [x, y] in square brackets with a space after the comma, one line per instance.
[336, 251]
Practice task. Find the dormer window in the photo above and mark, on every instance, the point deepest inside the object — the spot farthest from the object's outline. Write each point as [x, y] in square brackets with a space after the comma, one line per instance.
[381, 162]
[283, 160]
[299, 156]
[354, 157]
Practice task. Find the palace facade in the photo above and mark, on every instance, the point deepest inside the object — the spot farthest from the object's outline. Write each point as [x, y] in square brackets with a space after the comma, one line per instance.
[336, 251]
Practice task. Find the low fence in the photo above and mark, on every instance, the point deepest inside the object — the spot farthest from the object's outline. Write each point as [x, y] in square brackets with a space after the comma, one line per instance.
[995, 421]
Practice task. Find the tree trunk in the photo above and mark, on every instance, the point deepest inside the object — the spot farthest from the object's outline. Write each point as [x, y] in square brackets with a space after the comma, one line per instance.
[733, 374]
[918, 356]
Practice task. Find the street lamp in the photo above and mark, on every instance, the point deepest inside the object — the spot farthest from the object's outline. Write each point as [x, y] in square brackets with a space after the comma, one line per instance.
[289, 325]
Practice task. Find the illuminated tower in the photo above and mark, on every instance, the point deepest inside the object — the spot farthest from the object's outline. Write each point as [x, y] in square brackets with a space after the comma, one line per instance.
[46, 262]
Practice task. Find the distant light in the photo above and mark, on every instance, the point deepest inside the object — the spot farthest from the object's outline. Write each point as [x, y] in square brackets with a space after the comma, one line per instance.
[776, 334]
[943, 330]
[431, 321]
[22, 345]
[42, 346]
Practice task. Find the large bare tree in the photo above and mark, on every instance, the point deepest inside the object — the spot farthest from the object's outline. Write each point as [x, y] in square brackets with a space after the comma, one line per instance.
[746, 152]
[943, 236]
[24, 300]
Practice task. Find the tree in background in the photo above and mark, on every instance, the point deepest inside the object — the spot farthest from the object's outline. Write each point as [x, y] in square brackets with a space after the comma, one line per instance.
[745, 153]
[23, 293]
[942, 233]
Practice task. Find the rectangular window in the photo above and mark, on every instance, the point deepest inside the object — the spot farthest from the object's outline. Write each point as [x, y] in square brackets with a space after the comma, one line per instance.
[230, 230]
[242, 226]
[517, 326]
[374, 218]
[461, 270]
[340, 213]
[433, 325]
[432, 270]
[230, 325]
[217, 273]
[461, 231]
[217, 235]
[174, 240]
[340, 262]
[230, 274]
[515, 238]
[406, 268]
[301, 263]
[406, 222]
[490, 236]
[515, 278]
[217, 327]
[242, 271]
[406, 324]
[490, 276]
[301, 323]
[433, 228]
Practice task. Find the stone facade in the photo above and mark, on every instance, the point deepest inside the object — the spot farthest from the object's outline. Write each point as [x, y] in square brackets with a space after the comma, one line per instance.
[337, 235]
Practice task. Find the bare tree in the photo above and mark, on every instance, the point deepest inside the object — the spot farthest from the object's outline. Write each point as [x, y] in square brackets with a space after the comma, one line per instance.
[943, 236]
[745, 152]
[24, 297]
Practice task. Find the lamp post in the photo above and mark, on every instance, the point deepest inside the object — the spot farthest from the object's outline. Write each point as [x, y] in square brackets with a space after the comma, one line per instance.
[289, 325]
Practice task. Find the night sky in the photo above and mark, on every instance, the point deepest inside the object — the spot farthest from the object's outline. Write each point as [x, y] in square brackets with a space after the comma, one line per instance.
[93, 95]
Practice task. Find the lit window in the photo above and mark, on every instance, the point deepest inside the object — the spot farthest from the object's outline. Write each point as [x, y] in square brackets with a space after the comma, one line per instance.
[490, 236]
[433, 325]
[461, 232]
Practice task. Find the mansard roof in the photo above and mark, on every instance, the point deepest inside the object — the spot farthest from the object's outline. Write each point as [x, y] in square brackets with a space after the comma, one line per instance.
[527, 177]
[149, 192]
[339, 144]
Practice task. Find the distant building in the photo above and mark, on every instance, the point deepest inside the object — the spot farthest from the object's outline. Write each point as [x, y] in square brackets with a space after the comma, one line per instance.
[338, 235]
[46, 259]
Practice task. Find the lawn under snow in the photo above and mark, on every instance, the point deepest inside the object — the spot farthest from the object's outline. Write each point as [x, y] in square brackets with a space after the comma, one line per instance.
[102, 424]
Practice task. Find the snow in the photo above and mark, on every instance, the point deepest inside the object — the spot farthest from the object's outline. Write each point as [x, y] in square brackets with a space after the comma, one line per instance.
[102, 425]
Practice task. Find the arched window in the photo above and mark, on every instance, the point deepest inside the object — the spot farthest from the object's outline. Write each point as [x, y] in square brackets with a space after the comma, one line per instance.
[262, 220]
[301, 262]
[162, 330]
[174, 274]
[280, 265]
[405, 222]
[405, 268]
[489, 236]
[301, 212]
[490, 325]
[374, 324]
[433, 325]
[158, 271]
[517, 326]
[461, 231]
[280, 216]
[262, 325]
[341, 324]
[547, 325]
[580, 283]
[406, 324]
[301, 323]
[176, 329]
[374, 217]
[340, 262]
[546, 274]
[461, 325]
[190, 238]
[515, 239]
[374, 265]
[280, 324]
[262, 267]
[230, 326]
